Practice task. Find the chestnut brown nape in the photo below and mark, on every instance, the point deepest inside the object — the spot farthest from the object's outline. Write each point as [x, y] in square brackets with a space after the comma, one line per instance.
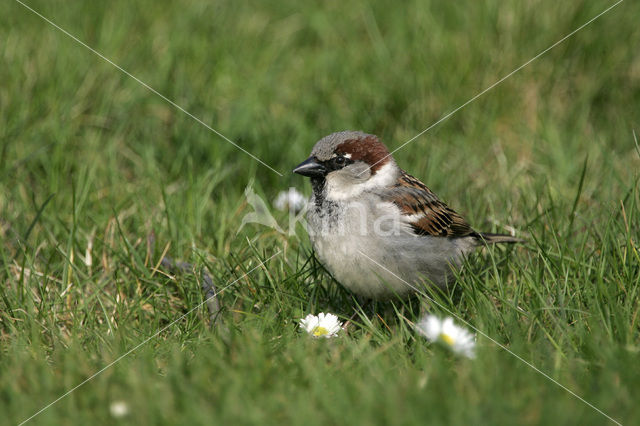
[368, 149]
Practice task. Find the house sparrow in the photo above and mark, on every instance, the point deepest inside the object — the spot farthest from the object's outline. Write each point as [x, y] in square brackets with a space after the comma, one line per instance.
[365, 210]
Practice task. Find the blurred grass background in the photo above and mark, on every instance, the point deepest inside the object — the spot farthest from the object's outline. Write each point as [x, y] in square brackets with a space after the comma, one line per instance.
[92, 164]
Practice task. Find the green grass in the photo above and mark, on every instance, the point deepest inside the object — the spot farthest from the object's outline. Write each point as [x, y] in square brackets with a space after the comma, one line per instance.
[92, 162]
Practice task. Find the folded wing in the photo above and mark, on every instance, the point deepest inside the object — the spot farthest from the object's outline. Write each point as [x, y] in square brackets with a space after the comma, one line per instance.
[426, 214]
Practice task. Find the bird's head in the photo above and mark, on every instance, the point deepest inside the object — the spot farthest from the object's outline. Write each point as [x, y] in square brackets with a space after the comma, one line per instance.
[348, 163]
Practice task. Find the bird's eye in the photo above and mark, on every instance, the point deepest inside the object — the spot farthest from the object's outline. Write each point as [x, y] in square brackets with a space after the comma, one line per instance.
[338, 162]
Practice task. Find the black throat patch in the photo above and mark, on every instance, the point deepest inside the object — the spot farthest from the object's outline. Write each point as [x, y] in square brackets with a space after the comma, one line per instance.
[319, 190]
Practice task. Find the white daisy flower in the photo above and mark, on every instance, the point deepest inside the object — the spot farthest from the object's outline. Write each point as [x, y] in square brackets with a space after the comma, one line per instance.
[322, 325]
[119, 409]
[456, 338]
[291, 199]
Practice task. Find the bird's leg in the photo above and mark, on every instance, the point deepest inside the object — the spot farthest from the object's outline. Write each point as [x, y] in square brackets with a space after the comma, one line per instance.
[361, 305]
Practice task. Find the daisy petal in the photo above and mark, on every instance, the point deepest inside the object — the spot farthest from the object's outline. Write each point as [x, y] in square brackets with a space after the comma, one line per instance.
[322, 325]
[445, 332]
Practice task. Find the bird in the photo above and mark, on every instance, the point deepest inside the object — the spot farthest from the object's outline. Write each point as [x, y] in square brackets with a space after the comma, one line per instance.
[379, 231]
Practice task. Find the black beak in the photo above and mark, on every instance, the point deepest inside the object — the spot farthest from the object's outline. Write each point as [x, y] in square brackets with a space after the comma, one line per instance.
[311, 167]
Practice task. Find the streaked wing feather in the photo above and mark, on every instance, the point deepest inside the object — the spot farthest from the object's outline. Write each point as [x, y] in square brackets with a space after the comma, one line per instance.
[437, 219]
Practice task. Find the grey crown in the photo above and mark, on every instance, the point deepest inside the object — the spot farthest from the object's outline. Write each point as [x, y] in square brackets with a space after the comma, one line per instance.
[324, 148]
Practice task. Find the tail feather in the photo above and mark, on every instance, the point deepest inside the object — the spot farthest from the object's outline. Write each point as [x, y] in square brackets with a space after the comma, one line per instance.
[498, 238]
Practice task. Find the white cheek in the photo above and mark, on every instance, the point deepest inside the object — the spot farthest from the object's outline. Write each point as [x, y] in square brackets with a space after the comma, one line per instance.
[341, 187]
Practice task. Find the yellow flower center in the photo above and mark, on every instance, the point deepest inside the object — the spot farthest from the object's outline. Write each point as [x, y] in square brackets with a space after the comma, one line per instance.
[320, 331]
[447, 339]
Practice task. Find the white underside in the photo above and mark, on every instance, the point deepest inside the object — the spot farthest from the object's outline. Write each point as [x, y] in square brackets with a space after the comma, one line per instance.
[368, 246]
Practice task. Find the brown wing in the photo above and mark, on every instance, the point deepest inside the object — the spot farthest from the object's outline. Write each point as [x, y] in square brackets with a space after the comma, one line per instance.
[437, 219]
